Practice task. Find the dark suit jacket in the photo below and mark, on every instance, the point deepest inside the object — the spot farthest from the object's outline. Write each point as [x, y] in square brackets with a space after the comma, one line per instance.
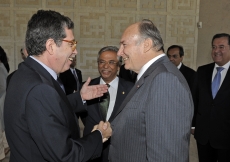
[40, 121]
[189, 75]
[126, 74]
[69, 81]
[94, 115]
[154, 120]
[213, 115]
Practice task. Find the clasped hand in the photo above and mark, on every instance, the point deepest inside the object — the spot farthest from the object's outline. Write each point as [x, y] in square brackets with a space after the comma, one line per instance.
[105, 129]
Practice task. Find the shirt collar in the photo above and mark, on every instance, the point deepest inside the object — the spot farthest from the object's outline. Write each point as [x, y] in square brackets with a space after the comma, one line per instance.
[52, 73]
[148, 64]
[226, 66]
[179, 66]
[113, 83]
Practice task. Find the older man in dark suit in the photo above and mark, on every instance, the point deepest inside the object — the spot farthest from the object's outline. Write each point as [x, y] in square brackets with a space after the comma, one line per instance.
[108, 66]
[71, 78]
[212, 100]
[153, 122]
[39, 118]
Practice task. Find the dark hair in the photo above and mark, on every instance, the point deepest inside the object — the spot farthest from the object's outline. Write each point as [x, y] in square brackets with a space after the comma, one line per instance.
[148, 30]
[3, 59]
[111, 48]
[45, 25]
[220, 36]
[181, 50]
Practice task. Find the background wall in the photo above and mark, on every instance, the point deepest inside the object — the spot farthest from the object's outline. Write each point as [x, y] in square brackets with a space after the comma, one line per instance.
[215, 18]
[99, 23]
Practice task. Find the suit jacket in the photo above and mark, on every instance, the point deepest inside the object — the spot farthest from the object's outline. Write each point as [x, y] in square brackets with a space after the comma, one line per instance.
[127, 75]
[94, 116]
[40, 121]
[189, 75]
[153, 122]
[69, 81]
[213, 115]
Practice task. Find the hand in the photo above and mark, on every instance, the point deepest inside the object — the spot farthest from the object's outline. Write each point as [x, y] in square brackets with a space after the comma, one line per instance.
[94, 91]
[105, 130]
[192, 131]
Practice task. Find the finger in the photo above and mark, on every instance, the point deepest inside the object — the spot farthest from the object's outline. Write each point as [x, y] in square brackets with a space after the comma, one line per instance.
[105, 139]
[105, 126]
[87, 81]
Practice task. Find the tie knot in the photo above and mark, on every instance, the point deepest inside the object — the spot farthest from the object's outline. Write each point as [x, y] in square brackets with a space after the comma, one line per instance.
[107, 85]
[219, 69]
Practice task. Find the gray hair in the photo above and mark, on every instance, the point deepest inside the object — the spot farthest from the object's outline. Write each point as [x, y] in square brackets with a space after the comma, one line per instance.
[111, 48]
[148, 30]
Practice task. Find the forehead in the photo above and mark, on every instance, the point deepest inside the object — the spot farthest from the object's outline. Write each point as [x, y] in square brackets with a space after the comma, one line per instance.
[220, 41]
[69, 33]
[131, 33]
[173, 51]
[108, 55]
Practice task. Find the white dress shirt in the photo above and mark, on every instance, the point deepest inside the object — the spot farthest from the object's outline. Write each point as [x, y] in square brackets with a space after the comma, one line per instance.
[113, 94]
[147, 65]
[223, 72]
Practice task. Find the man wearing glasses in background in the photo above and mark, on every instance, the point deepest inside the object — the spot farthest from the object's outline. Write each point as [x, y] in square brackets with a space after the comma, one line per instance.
[212, 101]
[39, 118]
[108, 67]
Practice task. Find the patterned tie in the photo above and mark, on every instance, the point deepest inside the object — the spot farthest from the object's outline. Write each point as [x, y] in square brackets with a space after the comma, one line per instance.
[76, 78]
[61, 84]
[216, 81]
[104, 104]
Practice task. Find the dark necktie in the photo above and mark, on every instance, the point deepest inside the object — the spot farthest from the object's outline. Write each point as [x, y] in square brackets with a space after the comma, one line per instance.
[104, 104]
[216, 81]
[61, 84]
[76, 78]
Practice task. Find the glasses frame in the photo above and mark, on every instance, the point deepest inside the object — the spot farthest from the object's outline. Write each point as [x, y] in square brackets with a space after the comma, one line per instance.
[72, 42]
[111, 63]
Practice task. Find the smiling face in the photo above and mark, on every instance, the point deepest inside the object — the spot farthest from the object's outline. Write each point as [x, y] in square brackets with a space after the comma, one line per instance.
[108, 65]
[220, 51]
[130, 50]
[64, 54]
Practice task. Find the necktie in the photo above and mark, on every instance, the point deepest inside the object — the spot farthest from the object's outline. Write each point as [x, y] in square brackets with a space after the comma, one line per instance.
[104, 104]
[216, 81]
[76, 78]
[61, 84]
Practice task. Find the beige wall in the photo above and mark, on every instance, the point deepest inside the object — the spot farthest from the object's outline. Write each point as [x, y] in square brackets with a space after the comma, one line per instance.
[215, 18]
[101, 22]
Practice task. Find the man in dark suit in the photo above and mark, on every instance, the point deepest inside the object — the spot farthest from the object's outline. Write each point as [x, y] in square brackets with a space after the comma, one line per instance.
[154, 120]
[212, 100]
[127, 74]
[71, 78]
[108, 66]
[39, 118]
[175, 54]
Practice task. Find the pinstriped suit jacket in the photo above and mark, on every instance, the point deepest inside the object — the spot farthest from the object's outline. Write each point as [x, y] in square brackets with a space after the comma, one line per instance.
[153, 122]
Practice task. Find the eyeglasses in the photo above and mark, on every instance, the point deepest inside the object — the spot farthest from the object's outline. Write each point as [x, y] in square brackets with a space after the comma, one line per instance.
[221, 47]
[72, 43]
[173, 56]
[110, 63]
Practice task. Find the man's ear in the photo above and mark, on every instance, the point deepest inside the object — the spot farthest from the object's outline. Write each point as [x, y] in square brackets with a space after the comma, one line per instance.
[148, 44]
[50, 45]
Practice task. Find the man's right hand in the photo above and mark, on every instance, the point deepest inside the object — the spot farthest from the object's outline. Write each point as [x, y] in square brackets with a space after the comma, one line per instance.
[105, 129]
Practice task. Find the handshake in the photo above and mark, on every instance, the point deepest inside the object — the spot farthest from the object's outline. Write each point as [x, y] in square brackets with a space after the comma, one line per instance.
[105, 129]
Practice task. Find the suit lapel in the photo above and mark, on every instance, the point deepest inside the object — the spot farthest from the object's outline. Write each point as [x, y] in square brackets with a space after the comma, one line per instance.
[47, 78]
[139, 83]
[209, 79]
[121, 94]
[225, 85]
[96, 81]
